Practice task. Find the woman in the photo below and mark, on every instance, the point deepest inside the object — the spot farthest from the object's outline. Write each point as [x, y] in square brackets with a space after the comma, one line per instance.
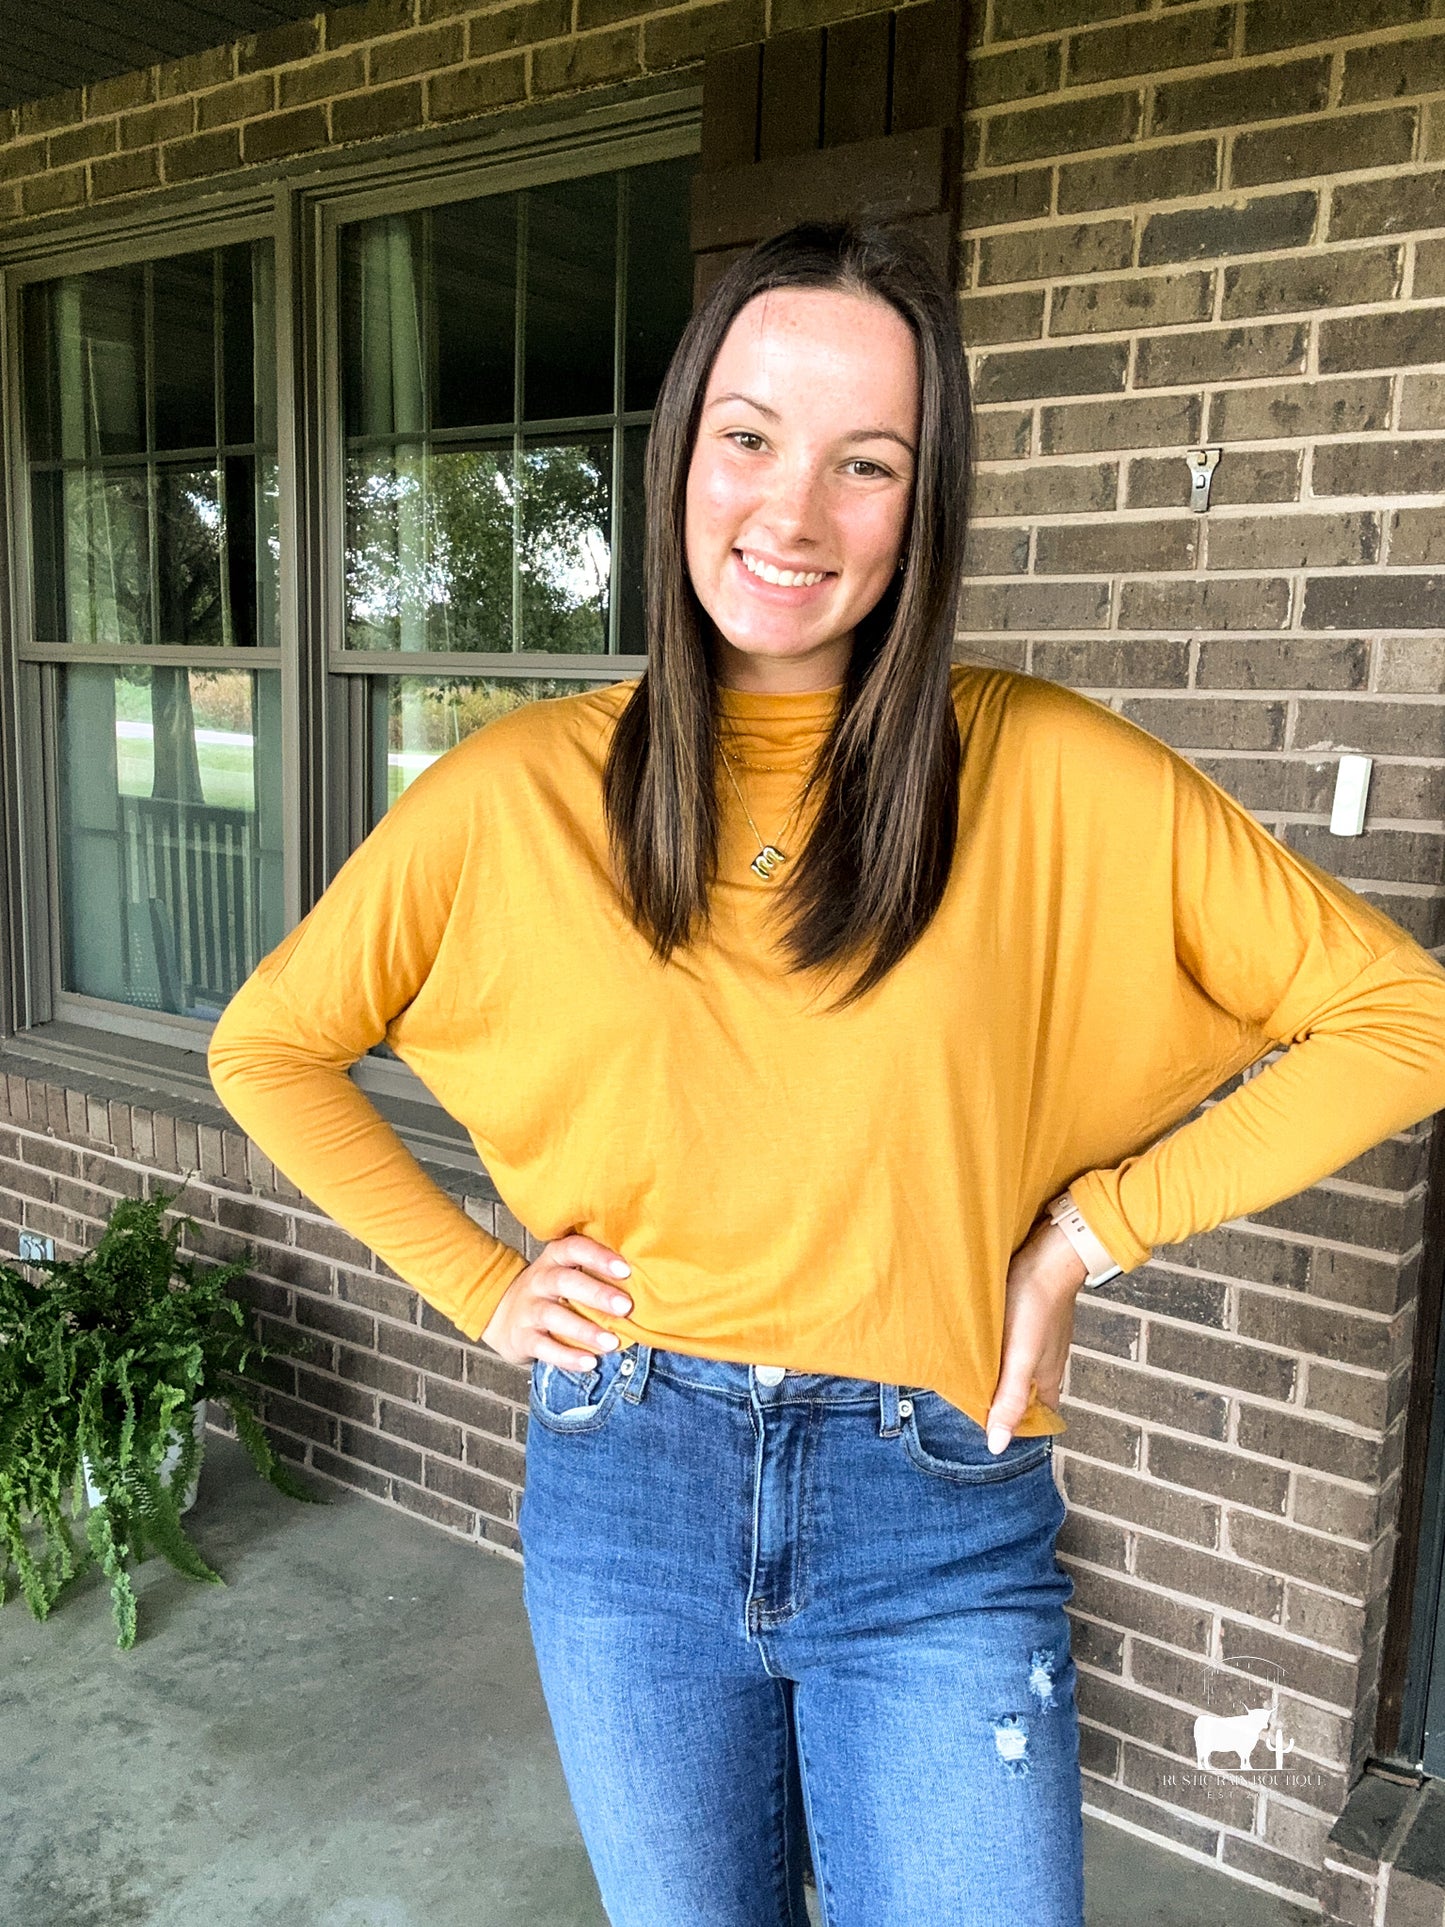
[803, 983]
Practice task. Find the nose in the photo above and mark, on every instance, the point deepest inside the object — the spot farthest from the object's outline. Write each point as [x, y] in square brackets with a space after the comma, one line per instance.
[794, 502]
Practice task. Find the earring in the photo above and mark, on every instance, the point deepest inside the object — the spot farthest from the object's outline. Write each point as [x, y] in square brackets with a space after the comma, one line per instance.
[902, 561]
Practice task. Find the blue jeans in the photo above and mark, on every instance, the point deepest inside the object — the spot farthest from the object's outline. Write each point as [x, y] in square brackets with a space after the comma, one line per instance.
[816, 1615]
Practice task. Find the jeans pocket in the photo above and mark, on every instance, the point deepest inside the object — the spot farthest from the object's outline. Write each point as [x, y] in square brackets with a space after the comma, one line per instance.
[578, 1401]
[942, 1439]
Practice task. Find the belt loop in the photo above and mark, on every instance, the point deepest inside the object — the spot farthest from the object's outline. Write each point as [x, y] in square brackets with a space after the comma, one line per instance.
[889, 1422]
[634, 1367]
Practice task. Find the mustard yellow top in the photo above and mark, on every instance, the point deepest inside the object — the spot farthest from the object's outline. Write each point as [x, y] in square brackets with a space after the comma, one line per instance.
[832, 1192]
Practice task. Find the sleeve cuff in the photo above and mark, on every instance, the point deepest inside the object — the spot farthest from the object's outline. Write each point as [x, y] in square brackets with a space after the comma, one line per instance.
[1094, 1194]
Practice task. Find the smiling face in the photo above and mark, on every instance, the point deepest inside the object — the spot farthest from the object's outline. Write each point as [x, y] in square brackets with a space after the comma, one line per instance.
[804, 466]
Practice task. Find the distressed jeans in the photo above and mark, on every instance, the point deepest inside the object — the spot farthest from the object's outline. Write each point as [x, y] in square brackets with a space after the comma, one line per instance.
[779, 1613]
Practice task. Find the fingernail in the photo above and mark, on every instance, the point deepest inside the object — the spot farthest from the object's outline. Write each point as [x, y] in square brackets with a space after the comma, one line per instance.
[619, 1267]
[608, 1341]
[622, 1304]
[998, 1438]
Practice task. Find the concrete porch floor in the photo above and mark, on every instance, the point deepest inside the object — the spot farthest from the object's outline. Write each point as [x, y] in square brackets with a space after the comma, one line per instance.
[349, 1733]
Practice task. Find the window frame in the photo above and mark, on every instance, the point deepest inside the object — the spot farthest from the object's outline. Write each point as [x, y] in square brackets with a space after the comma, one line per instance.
[325, 686]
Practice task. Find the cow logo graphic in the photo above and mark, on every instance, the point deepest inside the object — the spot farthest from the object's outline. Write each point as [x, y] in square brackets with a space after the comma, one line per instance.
[1240, 1733]
[1235, 1735]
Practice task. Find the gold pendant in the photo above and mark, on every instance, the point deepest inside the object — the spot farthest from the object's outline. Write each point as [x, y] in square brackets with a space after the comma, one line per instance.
[767, 860]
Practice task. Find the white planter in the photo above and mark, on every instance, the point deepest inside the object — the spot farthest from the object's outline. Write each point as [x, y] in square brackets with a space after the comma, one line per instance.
[95, 1496]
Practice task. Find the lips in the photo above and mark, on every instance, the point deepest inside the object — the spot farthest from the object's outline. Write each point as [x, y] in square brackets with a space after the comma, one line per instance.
[793, 592]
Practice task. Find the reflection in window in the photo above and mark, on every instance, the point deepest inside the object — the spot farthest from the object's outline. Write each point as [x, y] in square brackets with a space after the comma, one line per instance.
[415, 719]
[150, 420]
[170, 833]
[483, 408]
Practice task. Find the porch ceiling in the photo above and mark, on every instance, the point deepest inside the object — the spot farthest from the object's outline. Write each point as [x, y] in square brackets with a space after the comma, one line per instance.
[45, 50]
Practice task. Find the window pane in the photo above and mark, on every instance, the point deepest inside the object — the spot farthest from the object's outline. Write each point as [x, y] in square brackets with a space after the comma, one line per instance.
[170, 833]
[632, 640]
[414, 719]
[429, 550]
[659, 272]
[566, 550]
[474, 279]
[571, 297]
[131, 546]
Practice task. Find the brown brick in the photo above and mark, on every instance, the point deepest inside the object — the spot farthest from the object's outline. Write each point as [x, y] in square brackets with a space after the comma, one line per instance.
[202, 155]
[301, 131]
[415, 53]
[1429, 269]
[564, 64]
[1026, 605]
[114, 94]
[1015, 19]
[1240, 95]
[1296, 663]
[1137, 179]
[418, 1348]
[1151, 46]
[50, 193]
[466, 91]
[1394, 68]
[1041, 254]
[1382, 340]
[1046, 488]
[211, 67]
[1360, 1398]
[344, 26]
[1222, 1361]
[1293, 541]
[1246, 603]
[1422, 401]
[1203, 1576]
[1001, 434]
[1298, 409]
[1337, 279]
[256, 94]
[1378, 469]
[124, 173]
[385, 110]
[501, 29]
[278, 46]
[1322, 1331]
[1220, 724]
[1119, 1495]
[1249, 475]
[54, 110]
[1016, 74]
[1101, 1436]
[989, 550]
[1318, 1557]
[1396, 205]
[1002, 317]
[1117, 548]
[1417, 538]
[669, 39]
[168, 120]
[1222, 354]
[1259, 226]
[1022, 194]
[81, 143]
[1221, 1475]
[1379, 601]
[1302, 148]
[1070, 127]
[1141, 301]
[25, 157]
[1113, 662]
[1148, 1395]
[320, 79]
[1085, 369]
[1077, 428]
[1289, 23]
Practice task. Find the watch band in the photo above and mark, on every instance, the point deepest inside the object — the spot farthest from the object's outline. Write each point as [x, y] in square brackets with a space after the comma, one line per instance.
[1099, 1267]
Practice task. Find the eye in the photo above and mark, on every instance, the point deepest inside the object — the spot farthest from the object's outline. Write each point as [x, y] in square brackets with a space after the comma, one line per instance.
[749, 434]
[877, 467]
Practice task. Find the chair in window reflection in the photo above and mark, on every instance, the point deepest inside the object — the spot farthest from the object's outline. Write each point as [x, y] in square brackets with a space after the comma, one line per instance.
[191, 893]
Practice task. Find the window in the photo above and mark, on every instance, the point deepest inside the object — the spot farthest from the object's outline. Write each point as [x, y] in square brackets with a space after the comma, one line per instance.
[258, 590]
[500, 358]
[150, 433]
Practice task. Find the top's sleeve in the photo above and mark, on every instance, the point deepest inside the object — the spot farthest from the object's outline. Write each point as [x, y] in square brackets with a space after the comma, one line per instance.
[318, 1002]
[1357, 1005]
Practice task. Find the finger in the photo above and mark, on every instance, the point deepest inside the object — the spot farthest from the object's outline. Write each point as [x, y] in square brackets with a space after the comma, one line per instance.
[552, 1351]
[592, 1254]
[564, 1282]
[1010, 1399]
[570, 1327]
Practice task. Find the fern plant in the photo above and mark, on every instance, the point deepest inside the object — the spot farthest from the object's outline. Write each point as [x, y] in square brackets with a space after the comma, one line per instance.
[104, 1362]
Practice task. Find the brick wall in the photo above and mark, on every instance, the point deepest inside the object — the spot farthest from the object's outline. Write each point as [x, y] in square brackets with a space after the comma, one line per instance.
[1184, 224]
[1225, 225]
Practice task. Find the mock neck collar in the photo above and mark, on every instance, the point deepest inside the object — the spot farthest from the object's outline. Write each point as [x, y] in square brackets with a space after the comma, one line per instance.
[775, 728]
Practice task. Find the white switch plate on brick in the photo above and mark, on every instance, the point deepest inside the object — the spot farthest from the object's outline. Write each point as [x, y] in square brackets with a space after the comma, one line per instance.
[1352, 789]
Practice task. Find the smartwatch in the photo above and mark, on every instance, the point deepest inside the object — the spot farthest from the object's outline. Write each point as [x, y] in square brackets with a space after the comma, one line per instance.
[1099, 1266]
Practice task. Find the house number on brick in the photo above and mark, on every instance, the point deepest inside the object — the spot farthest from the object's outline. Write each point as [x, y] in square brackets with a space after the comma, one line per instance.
[1202, 464]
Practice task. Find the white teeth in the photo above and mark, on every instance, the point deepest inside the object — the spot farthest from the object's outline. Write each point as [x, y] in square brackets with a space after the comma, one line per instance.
[785, 578]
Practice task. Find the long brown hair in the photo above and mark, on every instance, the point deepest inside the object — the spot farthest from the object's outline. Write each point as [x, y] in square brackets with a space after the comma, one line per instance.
[875, 865]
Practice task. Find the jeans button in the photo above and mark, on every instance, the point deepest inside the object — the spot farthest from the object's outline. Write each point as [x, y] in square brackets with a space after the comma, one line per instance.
[771, 1374]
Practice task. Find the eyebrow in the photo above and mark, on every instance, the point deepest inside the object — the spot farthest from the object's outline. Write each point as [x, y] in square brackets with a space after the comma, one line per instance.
[858, 434]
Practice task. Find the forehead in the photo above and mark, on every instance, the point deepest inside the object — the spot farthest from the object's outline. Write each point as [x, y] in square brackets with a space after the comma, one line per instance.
[822, 336]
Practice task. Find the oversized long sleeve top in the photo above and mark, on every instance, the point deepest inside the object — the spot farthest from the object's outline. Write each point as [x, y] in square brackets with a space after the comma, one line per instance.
[832, 1191]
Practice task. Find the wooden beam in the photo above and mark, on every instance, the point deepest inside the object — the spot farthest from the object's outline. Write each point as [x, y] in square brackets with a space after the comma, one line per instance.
[898, 176]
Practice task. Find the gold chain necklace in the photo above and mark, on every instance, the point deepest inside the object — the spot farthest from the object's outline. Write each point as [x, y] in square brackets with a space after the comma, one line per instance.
[769, 856]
